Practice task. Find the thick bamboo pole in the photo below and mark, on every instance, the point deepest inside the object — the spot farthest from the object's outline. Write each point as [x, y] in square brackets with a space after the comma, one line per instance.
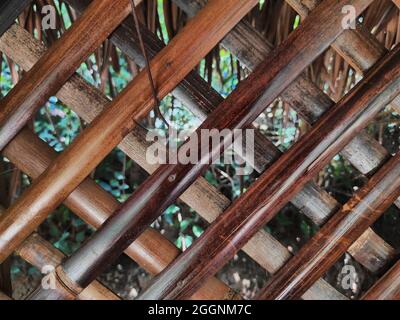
[364, 152]
[107, 130]
[40, 253]
[58, 64]
[88, 102]
[386, 288]
[163, 187]
[94, 205]
[336, 236]
[9, 11]
[281, 182]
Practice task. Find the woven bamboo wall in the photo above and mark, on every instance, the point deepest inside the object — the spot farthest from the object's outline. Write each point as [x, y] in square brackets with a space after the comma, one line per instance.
[334, 122]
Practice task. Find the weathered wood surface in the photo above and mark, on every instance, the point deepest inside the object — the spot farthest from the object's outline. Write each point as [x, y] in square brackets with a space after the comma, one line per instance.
[280, 182]
[107, 130]
[386, 288]
[335, 237]
[9, 11]
[363, 152]
[243, 106]
[94, 205]
[58, 64]
[88, 102]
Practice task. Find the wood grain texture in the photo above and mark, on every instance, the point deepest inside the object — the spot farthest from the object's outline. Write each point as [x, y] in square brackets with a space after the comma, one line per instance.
[94, 205]
[331, 242]
[268, 252]
[40, 253]
[169, 181]
[88, 103]
[108, 129]
[9, 11]
[386, 288]
[58, 64]
[280, 182]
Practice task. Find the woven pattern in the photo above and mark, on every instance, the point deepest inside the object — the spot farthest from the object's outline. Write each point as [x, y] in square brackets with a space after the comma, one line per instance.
[343, 228]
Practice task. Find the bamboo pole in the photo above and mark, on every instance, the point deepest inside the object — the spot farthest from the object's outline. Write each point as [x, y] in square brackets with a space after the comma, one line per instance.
[107, 130]
[281, 182]
[162, 188]
[386, 288]
[9, 11]
[88, 102]
[58, 64]
[364, 152]
[336, 236]
[94, 205]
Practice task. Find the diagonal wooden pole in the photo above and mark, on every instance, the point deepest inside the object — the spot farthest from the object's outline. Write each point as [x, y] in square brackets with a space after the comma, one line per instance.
[280, 182]
[58, 64]
[107, 130]
[335, 237]
[162, 188]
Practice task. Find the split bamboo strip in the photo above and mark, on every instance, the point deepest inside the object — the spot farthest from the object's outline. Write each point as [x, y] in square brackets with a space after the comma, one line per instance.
[364, 152]
[58, 64]
[284, 65]
[94, 205]
[281, 182]
[397, 3]
[40, 253]
[9, 11]
[208, 201]
[386, 288]
[87, 151]
[335, 237]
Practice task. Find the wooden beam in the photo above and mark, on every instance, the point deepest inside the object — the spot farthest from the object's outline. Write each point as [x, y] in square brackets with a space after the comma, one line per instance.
[386, 288]
[9, 11]
[88, 102]
[58, 64]
[242, 106]
[364, 152]
[278, 184]
[335, 237]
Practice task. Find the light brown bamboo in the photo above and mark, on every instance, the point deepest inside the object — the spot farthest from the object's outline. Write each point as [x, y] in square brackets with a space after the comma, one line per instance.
[58, 64]
[88, 103]
[107, 130]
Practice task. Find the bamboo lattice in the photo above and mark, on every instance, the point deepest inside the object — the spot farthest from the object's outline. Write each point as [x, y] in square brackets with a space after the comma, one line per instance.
[335, 127]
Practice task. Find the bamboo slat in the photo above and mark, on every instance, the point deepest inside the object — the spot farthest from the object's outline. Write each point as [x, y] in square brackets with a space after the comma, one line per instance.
[88, 103]
[279, 183]
[162, 188]
[331, 242]
[87, 151]
[386, 288]
[58, 64]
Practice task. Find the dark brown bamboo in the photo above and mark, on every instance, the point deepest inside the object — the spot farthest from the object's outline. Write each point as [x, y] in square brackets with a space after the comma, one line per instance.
[386, 288]
[336, 236]
[88, 102]
[364, 152]
[58, 64]
[94, 205]
[9, 11]
[280, 183]
[168, 182]
[107, 130]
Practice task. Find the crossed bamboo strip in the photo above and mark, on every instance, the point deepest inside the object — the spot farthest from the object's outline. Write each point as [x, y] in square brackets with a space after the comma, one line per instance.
[9, 11]
[88, 103]
[128, 222]
[312, 200]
